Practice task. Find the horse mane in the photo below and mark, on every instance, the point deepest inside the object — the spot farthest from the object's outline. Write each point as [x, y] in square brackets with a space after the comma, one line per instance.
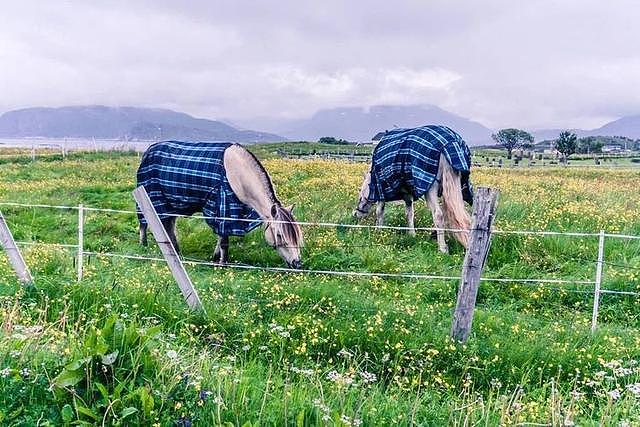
[266, 179]
[456, 216]
[286, 225]
[284, 222]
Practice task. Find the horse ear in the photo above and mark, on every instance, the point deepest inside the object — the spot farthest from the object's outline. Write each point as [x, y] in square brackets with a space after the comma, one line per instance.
[290, 208]
[274, 210]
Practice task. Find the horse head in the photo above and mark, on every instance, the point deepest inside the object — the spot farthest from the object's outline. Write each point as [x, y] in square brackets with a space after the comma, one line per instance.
[364, 204]
[284, 234]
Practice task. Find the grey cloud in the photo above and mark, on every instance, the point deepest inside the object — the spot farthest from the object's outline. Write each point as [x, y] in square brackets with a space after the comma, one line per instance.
[505, 63]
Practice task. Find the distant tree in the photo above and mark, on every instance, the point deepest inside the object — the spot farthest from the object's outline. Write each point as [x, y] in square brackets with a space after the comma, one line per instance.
[566, 143]
[332, 140]
[328, 140]
[588, 145]
[511, 139]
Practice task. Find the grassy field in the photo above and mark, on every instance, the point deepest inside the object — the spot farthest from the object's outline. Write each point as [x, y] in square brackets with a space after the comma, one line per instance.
[121, 348]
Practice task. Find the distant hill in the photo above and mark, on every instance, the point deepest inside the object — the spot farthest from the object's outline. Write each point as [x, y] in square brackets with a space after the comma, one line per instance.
[628, 126]
[361, 124]
[120, 123]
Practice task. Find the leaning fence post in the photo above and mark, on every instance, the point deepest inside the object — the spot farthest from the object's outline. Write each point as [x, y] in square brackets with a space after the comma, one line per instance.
[15, 257]
[80, 258]
[596, 293]
[484, 208]
[168, 251]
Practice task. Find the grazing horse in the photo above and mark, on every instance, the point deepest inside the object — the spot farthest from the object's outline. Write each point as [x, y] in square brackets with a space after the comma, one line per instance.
[426, 161]
[227, 184]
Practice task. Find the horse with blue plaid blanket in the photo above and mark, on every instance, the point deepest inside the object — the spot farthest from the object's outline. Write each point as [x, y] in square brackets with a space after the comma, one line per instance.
[227, 184]
[428, 161]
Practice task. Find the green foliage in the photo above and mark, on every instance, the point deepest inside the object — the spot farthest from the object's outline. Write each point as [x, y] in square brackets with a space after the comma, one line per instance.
[332, 140]
[512, 138]
[111, 362]
[566, 143]
[121, 348]
[589, 144]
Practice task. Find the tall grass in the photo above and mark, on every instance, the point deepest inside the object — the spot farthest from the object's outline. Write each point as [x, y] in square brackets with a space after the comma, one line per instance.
[121, 348]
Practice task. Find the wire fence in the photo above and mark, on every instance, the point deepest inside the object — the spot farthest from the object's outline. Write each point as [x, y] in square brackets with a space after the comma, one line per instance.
[323, 224]
[581, 286]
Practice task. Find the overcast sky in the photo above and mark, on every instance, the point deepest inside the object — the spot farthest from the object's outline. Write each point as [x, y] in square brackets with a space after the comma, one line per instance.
[532, 64]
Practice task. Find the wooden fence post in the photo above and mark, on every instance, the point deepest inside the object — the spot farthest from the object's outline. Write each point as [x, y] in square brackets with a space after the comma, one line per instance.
[15, 257]
[168, 251]
[484, 208]
[80, 257]
[596, 292]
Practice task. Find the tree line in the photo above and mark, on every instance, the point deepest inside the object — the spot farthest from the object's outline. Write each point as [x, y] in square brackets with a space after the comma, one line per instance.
[566, 144]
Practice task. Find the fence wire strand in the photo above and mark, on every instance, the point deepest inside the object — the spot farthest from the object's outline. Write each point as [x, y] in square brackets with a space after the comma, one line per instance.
[326, 224]
[405, 275]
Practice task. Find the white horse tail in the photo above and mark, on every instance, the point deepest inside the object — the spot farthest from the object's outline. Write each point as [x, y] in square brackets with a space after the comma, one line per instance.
[455, 213]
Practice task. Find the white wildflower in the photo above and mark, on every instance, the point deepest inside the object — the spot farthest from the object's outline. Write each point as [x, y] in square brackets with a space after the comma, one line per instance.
[368, 377]
[613, 364]
[622, 372]
[345, 353]
[339, 379]
[345, 420]
[634, 388]
[246, 347]
[307, 372]
[5, 372]
[577, 395]
[614, 394]
[172, 354]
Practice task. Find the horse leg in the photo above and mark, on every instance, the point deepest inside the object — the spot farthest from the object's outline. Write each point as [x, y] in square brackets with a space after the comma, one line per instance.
[170, 227]
[216, 252]
[221, 254]
[380, 214]
[143, 234]
[438, 217]
[408, 208]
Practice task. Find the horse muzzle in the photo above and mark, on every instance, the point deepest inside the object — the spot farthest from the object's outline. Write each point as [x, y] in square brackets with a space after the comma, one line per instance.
[297, 264]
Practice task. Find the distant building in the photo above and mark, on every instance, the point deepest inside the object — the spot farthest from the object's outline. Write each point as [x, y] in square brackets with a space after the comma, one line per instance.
[612, 148]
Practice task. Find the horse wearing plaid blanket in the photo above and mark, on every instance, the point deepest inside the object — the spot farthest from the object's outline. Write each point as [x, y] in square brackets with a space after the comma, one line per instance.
[227, 184]
[426, 161]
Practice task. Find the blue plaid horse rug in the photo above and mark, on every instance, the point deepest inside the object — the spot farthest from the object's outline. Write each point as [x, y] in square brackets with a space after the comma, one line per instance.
[182, 178]
[408, 159]
[410, 163]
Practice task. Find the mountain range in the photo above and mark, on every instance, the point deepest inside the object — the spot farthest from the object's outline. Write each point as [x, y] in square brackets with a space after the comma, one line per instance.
[356, 124]
[628, 126]
[127, 123]
[361, 124]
